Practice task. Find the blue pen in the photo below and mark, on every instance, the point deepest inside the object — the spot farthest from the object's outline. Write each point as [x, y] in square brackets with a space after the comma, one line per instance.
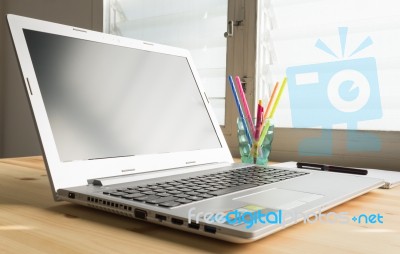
[246, 128]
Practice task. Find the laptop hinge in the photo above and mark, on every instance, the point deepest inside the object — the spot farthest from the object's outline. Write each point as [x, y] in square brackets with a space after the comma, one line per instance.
[154, 174]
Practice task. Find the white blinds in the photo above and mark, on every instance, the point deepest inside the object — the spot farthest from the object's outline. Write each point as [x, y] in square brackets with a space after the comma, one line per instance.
[198, 26]
[305, 35]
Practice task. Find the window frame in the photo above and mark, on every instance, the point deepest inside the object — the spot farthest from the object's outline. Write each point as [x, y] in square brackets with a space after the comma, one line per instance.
[241, 58]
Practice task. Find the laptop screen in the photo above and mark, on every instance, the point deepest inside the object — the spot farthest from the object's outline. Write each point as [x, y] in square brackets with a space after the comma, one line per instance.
[107, 101]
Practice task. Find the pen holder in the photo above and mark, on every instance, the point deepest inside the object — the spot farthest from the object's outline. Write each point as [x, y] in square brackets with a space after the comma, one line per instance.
[251, 153]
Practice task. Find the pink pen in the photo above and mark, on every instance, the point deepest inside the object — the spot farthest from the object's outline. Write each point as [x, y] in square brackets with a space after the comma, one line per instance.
[245, 106]
[259, 120]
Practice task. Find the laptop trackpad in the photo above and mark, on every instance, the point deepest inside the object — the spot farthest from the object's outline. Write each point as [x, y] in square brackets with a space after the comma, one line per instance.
[279, 198]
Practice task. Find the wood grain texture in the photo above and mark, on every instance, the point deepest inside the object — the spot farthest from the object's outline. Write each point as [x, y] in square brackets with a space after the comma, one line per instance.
[32, 222]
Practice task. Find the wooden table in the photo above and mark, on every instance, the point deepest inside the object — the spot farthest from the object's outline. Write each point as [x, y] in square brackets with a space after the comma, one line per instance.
[31, 222]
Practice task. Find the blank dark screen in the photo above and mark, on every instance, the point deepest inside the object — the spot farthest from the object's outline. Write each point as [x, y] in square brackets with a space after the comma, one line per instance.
[105, 100]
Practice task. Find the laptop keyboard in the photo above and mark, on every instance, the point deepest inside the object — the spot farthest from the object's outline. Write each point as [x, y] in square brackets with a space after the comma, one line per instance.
[187, 190]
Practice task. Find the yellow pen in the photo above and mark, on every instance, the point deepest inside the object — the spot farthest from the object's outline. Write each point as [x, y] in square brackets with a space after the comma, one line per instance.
[266, 125]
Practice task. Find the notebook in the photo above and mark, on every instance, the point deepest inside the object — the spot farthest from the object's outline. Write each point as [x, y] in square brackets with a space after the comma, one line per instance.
[126, 127]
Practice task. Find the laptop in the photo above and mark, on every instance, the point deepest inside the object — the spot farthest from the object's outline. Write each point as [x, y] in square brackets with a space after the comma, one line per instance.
[127, 128]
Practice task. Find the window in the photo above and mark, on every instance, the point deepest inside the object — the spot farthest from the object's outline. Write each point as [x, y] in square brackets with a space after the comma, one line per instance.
[358, 41]
[195, 25]
[198, 26]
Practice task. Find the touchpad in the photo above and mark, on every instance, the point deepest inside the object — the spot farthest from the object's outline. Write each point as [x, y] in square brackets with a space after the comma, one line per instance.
[279, 198]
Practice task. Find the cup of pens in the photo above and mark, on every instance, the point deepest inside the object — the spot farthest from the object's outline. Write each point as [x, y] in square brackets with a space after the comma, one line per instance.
[255, 136]
[255, 151]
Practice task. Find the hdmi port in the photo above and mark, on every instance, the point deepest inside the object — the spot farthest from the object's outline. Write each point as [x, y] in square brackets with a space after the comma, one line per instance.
[177, 221]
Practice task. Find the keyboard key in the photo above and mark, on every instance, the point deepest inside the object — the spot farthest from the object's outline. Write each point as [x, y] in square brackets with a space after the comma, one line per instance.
[233, 189]
[164, 194]
[169, 204]
[181, 195]
[161, 200]
[180, 182]
[195, 198]
[170, 188]
[117, 194]
[149, 192]
[205, 195]
[197, 183]
[173, 192]
[184, 200]
[145, 197]
[164, 185]
[267, 176]
[133, 195]
[192, 193]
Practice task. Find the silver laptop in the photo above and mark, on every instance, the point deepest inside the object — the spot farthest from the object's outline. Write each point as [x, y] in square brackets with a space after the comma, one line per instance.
[126, 127]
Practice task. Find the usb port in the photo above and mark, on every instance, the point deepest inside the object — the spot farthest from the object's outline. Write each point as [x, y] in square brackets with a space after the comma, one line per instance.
[210, 229]
[194, 225]
[161, 217]
[177, 221]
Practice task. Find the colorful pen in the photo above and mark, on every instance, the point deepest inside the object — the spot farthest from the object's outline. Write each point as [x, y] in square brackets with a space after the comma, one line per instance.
[245, 105]
[271, 115]
[235, 96]
[259, 120]
[271, 100]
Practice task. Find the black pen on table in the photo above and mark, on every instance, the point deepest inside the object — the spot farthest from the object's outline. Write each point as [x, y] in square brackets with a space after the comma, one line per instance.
[331, 168]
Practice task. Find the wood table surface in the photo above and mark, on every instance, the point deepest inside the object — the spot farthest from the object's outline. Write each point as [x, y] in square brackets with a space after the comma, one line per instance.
[32, 222]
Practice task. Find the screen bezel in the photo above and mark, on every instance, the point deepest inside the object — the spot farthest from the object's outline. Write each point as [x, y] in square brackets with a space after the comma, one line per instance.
[76, 173]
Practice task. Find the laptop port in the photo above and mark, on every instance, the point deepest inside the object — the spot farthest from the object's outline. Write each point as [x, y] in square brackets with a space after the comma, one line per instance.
[210, 229]
[140, 214]
[71, 195]
[194, 225]
[161, 217]
[177, 221]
